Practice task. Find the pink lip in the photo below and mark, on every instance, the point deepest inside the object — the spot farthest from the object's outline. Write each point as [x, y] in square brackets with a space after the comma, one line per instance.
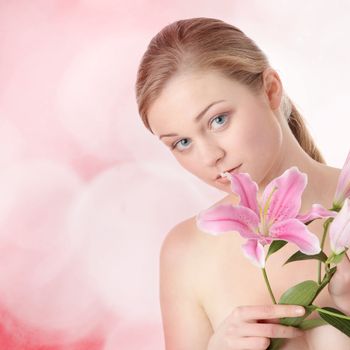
[225, 180]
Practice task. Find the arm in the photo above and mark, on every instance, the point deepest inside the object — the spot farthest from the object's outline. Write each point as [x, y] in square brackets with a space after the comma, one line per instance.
[185, 323]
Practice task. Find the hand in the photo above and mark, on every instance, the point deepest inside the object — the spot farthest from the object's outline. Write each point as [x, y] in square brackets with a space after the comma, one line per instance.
[251, 327]
[339, 285]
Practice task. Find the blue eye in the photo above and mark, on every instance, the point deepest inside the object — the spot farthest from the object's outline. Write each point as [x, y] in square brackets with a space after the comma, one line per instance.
[221, 120]
[177, 143]
[218, 117]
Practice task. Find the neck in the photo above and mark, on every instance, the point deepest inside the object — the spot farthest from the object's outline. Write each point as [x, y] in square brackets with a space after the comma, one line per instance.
[321, 178]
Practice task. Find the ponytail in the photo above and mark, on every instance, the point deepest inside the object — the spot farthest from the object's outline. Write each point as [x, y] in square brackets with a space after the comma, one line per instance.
[297, 125]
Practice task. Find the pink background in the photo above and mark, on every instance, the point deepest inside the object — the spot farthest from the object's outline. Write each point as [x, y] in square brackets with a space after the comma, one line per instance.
[87, 194]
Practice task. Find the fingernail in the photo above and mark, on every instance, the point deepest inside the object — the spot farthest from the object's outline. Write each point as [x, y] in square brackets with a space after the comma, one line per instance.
[299, 310]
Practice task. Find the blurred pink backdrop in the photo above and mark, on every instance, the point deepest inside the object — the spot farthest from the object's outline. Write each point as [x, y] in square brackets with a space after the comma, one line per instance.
[87, 193]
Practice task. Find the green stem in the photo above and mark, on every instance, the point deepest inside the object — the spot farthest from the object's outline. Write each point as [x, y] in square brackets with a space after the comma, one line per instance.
[325, 281]
[268, 285]
[325, 230]
[332, 313]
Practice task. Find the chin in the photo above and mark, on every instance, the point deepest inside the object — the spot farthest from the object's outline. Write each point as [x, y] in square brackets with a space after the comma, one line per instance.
[223, 187]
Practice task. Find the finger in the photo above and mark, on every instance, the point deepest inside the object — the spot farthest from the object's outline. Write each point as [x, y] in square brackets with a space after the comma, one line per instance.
[269, 330]
[257, 312]
[254, 343]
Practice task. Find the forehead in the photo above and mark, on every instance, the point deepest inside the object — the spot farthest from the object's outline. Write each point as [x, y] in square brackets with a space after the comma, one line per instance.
[185, 95]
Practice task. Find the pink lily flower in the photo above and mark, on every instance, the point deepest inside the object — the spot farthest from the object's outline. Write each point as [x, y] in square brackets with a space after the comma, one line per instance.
[343, 186]
[275, 217]
[339, 230]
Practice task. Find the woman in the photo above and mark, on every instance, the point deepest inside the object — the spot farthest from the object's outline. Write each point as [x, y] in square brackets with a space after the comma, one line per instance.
[209, 94]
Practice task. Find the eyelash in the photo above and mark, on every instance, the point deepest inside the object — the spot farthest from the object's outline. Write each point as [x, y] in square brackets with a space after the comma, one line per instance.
[173, 146]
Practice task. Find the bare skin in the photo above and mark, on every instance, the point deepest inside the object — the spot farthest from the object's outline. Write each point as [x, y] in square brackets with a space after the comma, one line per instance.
[211, 296]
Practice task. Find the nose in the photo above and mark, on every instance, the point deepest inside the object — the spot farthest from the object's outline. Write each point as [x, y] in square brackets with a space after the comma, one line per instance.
[210, 153]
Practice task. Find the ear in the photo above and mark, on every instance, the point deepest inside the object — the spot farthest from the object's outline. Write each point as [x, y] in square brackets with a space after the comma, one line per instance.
[272, 87]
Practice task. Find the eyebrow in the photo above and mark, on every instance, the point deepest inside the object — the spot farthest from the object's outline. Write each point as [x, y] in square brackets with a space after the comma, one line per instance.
[196, 119]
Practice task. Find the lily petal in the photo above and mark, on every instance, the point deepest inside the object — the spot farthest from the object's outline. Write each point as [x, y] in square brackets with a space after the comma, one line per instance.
[246, 189]
[317, 211]
[343, 187]
[254, 251]
[296, 232]
[285, 202]
[226, 217]
[339, 230]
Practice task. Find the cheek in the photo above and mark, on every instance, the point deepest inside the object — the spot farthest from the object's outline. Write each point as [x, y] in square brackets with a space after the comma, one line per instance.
[263, 137]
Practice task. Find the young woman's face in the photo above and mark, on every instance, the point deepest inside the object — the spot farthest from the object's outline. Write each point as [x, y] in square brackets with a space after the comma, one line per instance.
[238, 128]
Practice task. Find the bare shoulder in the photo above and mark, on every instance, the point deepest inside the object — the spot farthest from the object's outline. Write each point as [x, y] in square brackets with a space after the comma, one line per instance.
[186, 257]
[177, 250]
[185, 238]
[184, 244]
[185, 323]
[178, 240]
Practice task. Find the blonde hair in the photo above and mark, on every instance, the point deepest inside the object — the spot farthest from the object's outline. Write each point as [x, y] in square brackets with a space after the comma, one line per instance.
[202, 43]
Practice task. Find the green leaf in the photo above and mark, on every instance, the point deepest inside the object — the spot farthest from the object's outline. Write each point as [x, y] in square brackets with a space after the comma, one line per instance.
[340, 323]
[308, 324]
[301, 256]
[310, 308]
[301, 294]
[274, 246]
[276, 343]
